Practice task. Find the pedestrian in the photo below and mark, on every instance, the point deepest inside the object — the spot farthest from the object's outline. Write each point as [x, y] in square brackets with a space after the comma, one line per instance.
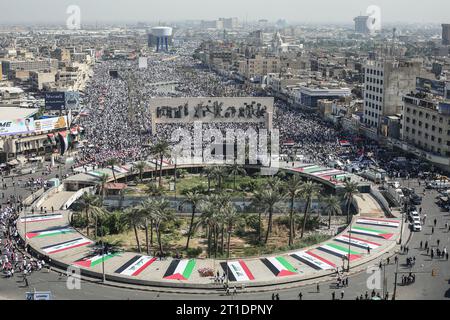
[366, 295]
[333, 295]
[432, 230]
[426, 244]
[300, 296]
[420, 245]
[387, 296]
[234, 291]
[278, 296]
[342, 295]
[273, 296]
[318, 288]
[396, 259]
[435, 222]
[446, 256]
[438, 241]
[388, 260]
[368, 250]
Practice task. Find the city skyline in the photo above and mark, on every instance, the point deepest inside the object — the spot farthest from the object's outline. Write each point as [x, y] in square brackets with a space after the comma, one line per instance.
[27, 11]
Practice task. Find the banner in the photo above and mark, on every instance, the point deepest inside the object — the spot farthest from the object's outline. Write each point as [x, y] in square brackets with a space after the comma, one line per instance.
[16, 126]
[50, 124]
[237, 271]
[55, 101]
[72, 99]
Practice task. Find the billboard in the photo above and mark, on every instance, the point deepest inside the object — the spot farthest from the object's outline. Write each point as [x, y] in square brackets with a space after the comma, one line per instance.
[16, 126]
[50, 124]
[72, 99]
[430, 86]
[55, 101]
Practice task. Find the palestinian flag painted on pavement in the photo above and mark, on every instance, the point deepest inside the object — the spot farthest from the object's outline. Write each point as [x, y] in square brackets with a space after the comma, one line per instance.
[279, 266]
[180, 269]
[372, 232]
[135, 266]
[237, 271]
[357, 242]
[379, 222]
[93, 260]
[340, 251]
[40, 218]
[49, 233]
[313, 260]
[66, 245]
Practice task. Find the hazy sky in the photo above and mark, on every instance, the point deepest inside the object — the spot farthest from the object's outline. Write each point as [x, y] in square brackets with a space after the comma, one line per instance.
[54, 11]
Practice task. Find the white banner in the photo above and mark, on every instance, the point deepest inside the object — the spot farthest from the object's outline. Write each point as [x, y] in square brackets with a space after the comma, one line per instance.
[16, 126]
[50, 124]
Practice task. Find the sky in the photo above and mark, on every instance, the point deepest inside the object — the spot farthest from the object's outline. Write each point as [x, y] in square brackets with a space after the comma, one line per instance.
[294, 11]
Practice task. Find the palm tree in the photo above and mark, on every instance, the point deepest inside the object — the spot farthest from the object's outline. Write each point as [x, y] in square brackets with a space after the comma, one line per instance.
[161, 149]
[269, 199]
[140, 167]
[219, 172]
[332, 206]
[147, 209]
[133, 218]
[293, 187]
[309, 191]
[194, 198]
[236, 169]
[112, 163]
[230, 216]
[350, 189]
[90, 203]
[103, 181]
[209, 171]
[162, 213]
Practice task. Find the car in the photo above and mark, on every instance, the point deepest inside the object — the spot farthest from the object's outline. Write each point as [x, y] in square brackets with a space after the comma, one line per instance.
[417, 226]
[416, 200]
[415, 219]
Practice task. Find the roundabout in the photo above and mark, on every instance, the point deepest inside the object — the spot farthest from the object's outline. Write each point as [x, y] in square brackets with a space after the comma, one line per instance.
[372, 233]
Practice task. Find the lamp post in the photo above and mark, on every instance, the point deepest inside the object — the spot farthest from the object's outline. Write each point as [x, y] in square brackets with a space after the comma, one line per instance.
[395, 282]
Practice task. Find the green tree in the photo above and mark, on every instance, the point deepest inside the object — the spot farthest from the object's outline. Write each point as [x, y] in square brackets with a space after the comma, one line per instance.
[293, 187]
[133, 218]
[309, 190]
[161, 150]
[193, 198]
[91, 204]
[332, 206]
[350, 189]
[112, 163]
[140, 167]
[268, 199]
[162, 213]
[236, 169]
[104, 178]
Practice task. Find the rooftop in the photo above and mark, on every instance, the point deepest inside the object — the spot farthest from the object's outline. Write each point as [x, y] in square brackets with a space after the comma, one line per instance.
[7, 113]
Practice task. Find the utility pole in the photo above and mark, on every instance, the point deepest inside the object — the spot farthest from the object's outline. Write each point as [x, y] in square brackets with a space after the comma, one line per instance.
[395, 282]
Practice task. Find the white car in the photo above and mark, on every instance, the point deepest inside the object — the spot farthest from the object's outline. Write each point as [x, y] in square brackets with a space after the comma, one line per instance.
[417, 226]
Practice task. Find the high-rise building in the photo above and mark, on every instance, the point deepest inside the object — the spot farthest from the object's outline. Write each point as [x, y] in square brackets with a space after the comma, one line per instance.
[426, 124]
[446, 34]
[385, 82]
[361, 24]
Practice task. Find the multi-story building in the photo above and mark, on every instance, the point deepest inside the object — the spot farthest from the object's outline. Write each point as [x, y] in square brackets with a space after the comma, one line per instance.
[308, 96]
[385, 82]
[426, 126]
[9, 66]
[446, 34]
[61, 54]
[38, 79]
[361, 24]
[259, 66]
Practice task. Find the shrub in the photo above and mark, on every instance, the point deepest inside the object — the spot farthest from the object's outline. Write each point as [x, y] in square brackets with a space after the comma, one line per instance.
[194, 252]
[79, 220]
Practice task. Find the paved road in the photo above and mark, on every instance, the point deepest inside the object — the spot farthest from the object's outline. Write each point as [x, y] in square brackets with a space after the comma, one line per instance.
[426, 286]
